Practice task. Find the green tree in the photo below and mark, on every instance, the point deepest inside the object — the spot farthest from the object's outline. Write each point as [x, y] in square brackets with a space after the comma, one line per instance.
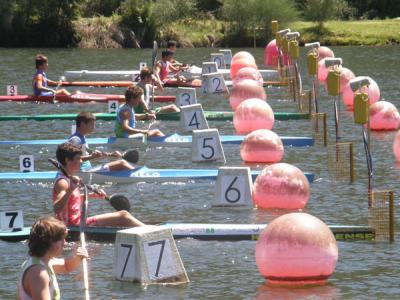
[320, 11]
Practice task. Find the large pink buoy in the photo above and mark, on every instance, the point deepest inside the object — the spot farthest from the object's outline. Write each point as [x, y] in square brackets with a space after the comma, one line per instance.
[296, 249]
[396, 146]
[248, 73]
[240, 63]
[372, 90]
[324, 52]
[253, 114]
[271, 54]
[263, 146]
[281, 185]
[243, 54]
[384, 116]
[246, 89]
[322, 71]
[345, 76]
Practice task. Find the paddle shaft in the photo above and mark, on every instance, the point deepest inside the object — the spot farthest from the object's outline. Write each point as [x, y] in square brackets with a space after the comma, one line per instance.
[83, 244]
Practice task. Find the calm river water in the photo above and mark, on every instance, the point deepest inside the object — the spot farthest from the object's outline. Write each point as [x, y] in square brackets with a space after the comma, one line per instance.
[217, 270]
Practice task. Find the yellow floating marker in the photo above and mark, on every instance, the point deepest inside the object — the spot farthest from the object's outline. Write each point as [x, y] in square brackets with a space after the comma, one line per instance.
[333, 82]
[294, 51]
[312, 63]
[361, 108]
[274, 26]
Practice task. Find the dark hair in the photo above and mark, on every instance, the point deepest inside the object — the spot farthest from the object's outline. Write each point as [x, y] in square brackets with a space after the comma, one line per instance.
[171, 43]
[67, 150]
[145, 73]
[84, 117]
[40, 59]
[133, 93]
[166, 53]
[44, 232]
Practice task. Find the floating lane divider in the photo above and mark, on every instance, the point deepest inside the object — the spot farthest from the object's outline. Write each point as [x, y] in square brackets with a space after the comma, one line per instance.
[129, 176]
[220, 232]
[172, 140]
[172, 116]
[81, 97]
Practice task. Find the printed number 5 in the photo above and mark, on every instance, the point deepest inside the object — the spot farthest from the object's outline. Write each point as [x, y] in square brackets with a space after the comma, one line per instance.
[211, 149]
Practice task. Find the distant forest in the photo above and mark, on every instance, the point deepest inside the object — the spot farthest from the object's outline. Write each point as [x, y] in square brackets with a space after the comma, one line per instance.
[54, 23]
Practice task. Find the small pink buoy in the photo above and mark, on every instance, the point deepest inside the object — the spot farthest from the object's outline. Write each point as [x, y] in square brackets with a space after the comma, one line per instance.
[263, 146]
[345, 76]
[248, 73]
[240, 63]
[324, 52]
[243, 54]
[296, 249]
[322, 71]
[246, 89]
[271, 54]
[281, 185]
[372, 90]
[384, 116]
[396, 146]
[253, 114]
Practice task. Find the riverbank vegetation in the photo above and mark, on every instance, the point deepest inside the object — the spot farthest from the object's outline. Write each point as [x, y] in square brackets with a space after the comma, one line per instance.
[194, 23]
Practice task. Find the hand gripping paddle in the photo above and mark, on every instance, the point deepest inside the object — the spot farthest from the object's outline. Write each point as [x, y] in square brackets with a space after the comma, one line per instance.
[119, 202]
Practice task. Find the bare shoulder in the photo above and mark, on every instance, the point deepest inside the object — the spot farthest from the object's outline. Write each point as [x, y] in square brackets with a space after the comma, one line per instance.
[61, 185]
[37, 274]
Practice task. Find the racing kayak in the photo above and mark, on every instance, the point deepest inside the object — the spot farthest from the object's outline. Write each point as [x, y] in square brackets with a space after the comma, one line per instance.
[171, 116]
[79, 97]
[94, 83]
[139, 174]
[200, 231]
[172, 140]
[196, 83]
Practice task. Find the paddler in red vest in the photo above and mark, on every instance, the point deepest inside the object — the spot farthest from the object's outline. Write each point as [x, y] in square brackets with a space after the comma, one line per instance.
[37, 278]
[164, 67]
[67, 197]
[40, 81]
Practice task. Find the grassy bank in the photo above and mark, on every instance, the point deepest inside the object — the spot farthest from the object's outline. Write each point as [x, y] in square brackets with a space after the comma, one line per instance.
[101, 32]
[368, 32]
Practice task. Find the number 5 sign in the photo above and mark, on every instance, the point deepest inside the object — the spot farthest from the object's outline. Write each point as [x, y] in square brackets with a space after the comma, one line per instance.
[234, 186]
[206, 146]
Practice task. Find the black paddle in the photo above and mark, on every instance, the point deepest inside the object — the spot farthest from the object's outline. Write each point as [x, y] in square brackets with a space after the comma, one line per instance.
[119, 202]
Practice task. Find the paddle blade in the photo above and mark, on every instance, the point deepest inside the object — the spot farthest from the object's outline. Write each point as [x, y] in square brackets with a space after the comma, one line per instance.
[131, 156]
[120, 202]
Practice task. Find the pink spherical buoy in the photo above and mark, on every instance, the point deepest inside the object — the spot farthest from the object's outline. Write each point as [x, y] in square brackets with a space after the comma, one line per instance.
[263, 146]
[345, 76]
[246, 89]
[322, 71]
[239, 64]
[271, 54]
[396, 146]
[384, 116]
[243, 54]
[296, 249]
[372, 90]
[281, 185]
[324, 52]
[253, 114]
[248, 73]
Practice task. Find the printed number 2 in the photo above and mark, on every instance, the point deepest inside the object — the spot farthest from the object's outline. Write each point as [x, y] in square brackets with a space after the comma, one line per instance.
[13, 215]
[162, 243]
[211, 149]
[217, 82]
[234, 190]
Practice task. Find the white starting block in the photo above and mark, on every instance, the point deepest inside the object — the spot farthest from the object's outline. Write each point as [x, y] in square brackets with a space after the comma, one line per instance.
[219, 59]
[186, 96]
[148, 254]
[142, 65]
[227, 56]
[12, 90]
[26, 163]
[206, 146]
[233, 187]
[112, 106]
[209, 67]
[192, 118]
[213, 83]
[11, 220]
